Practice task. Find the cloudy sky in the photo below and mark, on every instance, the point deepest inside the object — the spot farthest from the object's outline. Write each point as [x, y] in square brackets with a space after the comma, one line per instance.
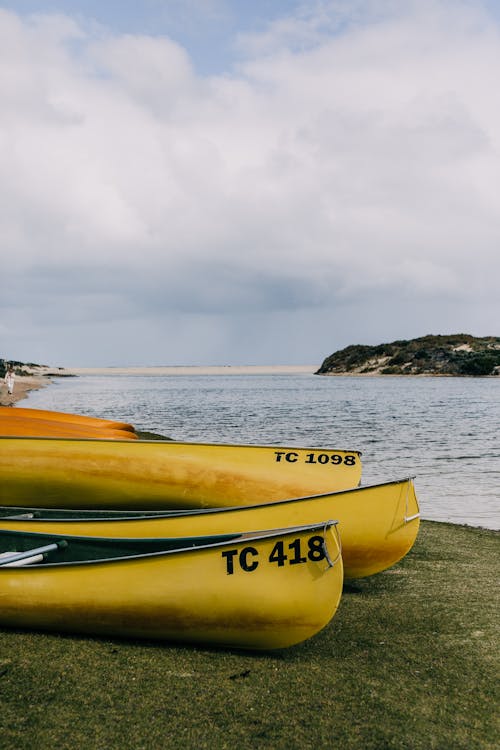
[210, 182]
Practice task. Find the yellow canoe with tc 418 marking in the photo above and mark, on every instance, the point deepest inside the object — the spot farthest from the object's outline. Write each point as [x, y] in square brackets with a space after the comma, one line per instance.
[263, 590]
[165, 474]
[378, 524]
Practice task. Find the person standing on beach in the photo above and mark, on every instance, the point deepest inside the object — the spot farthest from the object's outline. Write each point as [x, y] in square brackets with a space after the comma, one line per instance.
[9, 380]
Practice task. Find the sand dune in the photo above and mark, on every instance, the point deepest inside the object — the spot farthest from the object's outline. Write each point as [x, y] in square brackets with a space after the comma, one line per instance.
[181, 370]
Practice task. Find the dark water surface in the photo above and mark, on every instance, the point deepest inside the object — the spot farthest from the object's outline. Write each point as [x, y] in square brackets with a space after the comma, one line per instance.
[443, 430]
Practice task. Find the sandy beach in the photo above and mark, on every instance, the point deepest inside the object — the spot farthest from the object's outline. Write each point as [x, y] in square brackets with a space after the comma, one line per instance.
[23, 385]
[189, 370]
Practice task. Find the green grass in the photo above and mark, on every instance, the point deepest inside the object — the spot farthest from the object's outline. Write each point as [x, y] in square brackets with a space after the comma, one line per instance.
[409, 661]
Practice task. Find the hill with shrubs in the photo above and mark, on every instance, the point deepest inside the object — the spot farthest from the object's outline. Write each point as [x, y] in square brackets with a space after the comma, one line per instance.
[21, 368]
[458, 354]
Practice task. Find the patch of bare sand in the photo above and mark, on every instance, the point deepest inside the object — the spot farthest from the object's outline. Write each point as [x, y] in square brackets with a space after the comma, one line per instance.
[215, 370]
[22, 386]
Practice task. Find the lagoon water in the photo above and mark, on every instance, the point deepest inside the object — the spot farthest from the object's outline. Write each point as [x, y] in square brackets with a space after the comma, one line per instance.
[445, 431]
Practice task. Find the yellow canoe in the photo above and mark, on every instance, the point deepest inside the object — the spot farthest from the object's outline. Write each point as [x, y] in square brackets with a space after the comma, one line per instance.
[165, 474]
[264, 590]
[378, 524]
[65, 418]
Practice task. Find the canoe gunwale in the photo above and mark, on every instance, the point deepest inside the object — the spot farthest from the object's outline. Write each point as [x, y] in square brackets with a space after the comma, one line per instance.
[137, 515]
[64, 541]
[190, 443]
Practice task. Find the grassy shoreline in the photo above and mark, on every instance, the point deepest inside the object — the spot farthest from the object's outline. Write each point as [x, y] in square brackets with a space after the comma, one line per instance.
[409, 661]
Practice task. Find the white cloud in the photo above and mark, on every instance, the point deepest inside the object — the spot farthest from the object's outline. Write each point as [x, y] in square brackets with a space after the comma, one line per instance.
[351, 153]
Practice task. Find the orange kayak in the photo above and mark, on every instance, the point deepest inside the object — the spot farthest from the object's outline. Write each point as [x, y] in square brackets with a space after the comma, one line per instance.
[59, 416]
[14, 426]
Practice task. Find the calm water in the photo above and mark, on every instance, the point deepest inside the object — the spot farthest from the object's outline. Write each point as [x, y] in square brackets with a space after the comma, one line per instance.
[443, 430]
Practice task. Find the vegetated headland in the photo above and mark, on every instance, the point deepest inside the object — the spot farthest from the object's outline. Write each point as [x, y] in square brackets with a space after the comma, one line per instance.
[457, 354]
[21, 368]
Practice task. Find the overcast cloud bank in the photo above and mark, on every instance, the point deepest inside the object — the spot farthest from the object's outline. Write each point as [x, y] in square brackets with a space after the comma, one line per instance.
[339, 185]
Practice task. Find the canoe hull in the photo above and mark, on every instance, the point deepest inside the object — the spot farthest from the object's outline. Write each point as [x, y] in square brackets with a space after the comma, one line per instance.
[64, 418]
[22, 427]
[156, 474]
[16, 425]
[191, 596]
[378, 524]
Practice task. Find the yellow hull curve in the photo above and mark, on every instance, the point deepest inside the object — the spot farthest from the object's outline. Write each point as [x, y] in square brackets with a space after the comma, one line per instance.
[64, 417]
[156, 474]
[378, 524]
[264, 590]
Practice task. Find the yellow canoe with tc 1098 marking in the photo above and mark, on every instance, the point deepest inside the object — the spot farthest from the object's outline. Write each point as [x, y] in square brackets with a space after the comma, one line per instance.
[165, 474]
[378, 524]
[263, 590]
